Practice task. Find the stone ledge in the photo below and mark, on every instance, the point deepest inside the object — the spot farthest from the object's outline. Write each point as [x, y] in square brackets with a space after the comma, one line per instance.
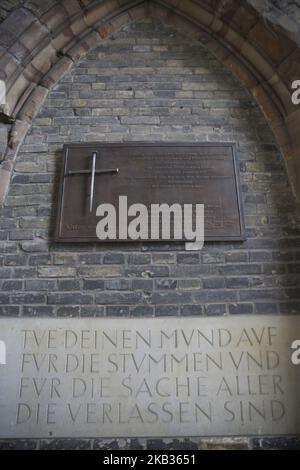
[263, 443]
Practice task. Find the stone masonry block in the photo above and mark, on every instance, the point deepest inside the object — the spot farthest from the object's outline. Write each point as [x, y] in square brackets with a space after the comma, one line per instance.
[56, 72]
[33, 104]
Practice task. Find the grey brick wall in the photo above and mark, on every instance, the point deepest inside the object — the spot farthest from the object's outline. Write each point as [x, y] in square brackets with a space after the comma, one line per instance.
[149, 83]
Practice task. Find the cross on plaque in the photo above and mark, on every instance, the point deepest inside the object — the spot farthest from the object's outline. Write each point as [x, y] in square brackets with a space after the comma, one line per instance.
[92, 172]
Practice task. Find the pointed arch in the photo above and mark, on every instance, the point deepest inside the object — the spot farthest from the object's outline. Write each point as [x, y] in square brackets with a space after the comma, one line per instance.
[2, 353]
[56, 34]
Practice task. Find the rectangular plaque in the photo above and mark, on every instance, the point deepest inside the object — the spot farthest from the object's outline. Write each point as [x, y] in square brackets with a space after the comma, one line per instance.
[163, 378]
[149, 174]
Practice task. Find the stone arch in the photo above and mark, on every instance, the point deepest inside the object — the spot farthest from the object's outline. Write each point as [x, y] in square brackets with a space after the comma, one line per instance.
[2, 353]
[55, 34]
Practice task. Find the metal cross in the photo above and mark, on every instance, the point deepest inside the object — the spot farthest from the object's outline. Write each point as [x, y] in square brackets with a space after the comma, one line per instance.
[92, 172]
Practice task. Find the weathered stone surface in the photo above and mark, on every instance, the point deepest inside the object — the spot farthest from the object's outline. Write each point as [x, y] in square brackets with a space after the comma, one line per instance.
[18, 131]
[17, 89]
[33, 104]
[149, 379]
[9, 65]
[35, 246]
[266, 39]
[9, 32]
[4, 129]
[224, 444]
[39, 8]
[5, 174]
[293, 167]
[83, 46]
[116, 80]
[56, 72]
[56, 271]
[97, 12]
[100, 271]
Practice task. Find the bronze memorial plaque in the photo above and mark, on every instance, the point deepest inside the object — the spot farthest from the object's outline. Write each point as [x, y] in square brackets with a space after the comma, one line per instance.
[149, 173]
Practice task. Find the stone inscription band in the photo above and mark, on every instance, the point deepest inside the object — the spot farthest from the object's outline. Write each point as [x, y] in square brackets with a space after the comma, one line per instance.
[168, 377]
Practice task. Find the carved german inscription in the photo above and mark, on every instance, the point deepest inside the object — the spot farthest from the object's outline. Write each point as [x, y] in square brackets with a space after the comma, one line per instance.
[185, 377]
[149, 174]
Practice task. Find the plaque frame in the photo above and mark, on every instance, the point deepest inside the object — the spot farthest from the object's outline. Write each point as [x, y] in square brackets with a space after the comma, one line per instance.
[98, 145]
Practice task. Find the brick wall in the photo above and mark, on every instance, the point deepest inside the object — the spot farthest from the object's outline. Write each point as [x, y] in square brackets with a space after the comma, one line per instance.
[149, 83]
